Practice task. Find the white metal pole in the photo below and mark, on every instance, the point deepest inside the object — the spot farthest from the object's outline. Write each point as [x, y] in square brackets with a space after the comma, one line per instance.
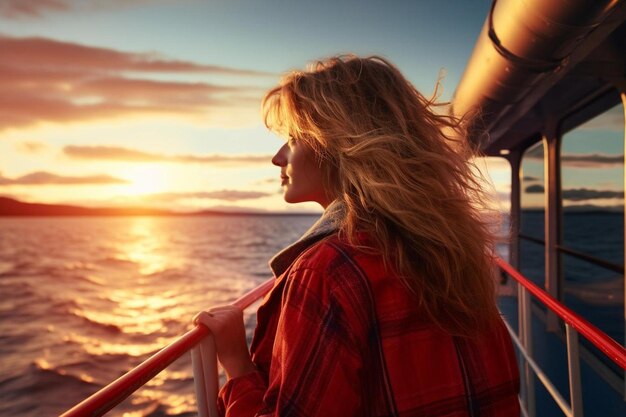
[199, 383]
[527, 342]
[209, 360]
[204, 362]
[573, 367]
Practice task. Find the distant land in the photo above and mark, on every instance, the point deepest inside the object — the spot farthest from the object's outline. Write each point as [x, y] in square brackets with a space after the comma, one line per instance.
[12, 207]
[585, 208]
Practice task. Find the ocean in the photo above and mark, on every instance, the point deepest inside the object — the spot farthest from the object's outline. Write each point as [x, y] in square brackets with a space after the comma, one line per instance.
[85, 299]
[595, 292]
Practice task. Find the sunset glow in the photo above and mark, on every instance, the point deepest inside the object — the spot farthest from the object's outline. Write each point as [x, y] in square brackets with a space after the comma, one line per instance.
[145, 180]
[113, 104]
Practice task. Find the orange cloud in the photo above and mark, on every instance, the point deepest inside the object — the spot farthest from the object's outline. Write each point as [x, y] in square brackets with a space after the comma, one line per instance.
[268, 180]
[36, 52]
[226, 195]
[125, 154]
[30, 146]
[32, 8]
[47, 178]
[20, 9]
[47, 80]
[594, 160]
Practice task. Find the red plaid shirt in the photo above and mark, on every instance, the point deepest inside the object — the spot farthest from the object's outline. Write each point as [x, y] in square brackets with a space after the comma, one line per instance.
[318, 351]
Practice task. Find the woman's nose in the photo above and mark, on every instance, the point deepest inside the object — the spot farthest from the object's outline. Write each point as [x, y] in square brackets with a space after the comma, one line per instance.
[280, 159]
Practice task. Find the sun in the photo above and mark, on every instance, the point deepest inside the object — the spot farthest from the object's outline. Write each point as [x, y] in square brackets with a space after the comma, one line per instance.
[145, 179]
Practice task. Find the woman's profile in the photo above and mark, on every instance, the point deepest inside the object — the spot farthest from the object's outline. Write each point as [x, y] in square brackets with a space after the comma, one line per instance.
[386, 306]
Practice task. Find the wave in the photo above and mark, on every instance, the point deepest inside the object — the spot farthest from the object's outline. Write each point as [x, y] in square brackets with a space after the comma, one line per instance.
[40, 378]
[607, 293]
[6, 268]
[108, 327]
[116, 262]
[79, 266]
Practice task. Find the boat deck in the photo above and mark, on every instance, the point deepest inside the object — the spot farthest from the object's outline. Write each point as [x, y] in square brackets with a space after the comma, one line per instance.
[599, 397]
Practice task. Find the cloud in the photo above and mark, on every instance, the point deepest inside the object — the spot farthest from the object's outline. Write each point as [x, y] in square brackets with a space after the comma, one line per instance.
[34, 52]
[47, 178]
[131, 155]
[22, 9]
[594, 160]
[579, 194]
[268, 180]
[44, 80]
[530, 178]
[534, 189]
[30, 8]
[226, 195]
[30, 146]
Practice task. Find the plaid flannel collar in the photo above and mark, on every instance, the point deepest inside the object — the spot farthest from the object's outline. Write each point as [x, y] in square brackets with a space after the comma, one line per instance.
[326, 225]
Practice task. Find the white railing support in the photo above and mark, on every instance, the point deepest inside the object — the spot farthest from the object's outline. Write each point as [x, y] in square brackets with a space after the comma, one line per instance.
[204, 362]
[543, 378]
[525, 335]
[573, 367]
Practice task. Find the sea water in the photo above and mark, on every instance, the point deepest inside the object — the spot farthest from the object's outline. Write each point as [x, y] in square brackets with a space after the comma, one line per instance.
[85, 299]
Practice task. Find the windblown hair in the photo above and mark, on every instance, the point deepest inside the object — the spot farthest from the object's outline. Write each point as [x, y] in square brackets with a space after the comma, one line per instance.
[405, 175]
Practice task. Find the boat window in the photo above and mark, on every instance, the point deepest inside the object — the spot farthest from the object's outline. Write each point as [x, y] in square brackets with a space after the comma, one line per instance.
[592, 220]
[532, 201]
[496, 174]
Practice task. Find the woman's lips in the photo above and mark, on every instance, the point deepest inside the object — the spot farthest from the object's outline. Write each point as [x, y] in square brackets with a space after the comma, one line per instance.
[284, 179]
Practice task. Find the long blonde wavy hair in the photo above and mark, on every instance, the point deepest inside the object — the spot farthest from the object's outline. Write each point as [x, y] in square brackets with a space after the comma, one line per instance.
[405, 175]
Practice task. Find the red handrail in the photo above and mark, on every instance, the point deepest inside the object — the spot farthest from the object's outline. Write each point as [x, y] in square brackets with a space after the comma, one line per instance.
[118, 390]
[601, 340]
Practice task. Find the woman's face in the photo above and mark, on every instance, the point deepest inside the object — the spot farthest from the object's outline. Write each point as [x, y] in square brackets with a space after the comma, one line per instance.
[300, 173]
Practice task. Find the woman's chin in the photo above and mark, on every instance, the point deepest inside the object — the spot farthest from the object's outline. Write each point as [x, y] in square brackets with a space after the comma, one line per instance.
[293, 199]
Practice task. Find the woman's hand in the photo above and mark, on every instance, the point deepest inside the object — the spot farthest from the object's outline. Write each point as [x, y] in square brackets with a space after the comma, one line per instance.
[226, 325]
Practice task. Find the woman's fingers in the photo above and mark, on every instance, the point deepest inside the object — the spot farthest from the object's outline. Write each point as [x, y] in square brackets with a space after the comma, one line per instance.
[225, 307]
[226, 325]
[218, 311]
[202, 318]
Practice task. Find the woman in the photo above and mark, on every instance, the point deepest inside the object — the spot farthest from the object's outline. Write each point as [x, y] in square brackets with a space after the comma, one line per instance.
[386, 305]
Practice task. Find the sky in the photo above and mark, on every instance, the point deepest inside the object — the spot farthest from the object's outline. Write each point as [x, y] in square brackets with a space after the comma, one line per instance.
[156, 103]
[592, 165]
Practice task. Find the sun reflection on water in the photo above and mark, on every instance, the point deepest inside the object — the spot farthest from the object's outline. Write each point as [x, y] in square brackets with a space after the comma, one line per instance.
[144, 245]
[138, 298]
[98, 347]
[115, 290]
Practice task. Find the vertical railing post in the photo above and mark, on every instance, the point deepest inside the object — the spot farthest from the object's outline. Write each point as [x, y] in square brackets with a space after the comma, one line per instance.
[622, 88]
[525, 336]
[552, 222]
[514, 247]
[204, 363]
[573, 367]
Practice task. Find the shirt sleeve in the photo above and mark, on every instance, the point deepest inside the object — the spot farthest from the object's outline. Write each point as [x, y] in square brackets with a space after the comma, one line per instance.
[316, 367]
[242, 396]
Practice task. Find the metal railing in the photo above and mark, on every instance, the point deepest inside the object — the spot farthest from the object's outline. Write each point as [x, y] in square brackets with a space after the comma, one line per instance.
[120, 389]
[574, 325]
[198, 340]
[578, 254]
